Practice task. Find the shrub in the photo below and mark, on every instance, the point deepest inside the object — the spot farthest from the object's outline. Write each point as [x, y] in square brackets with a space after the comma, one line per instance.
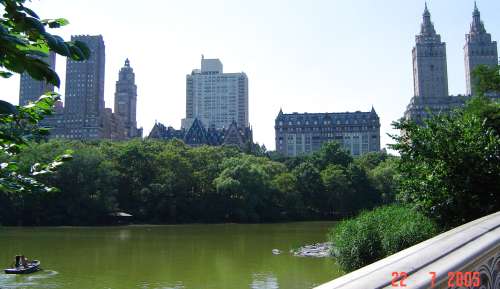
[377, 234]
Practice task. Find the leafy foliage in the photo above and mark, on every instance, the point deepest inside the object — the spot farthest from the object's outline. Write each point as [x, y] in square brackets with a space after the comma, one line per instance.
[18, 126]
[169, 182]
[25, 41]
[450, 167]
[487, 79]
[377, 234]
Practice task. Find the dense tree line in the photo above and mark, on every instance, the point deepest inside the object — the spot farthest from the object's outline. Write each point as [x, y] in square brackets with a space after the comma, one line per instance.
[169, 182]
[450, 166]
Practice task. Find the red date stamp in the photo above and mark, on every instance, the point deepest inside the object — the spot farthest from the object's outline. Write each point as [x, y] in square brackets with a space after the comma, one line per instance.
[455, 279]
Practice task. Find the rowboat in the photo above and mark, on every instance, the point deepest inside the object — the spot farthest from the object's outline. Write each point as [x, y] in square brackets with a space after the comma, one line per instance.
[30, 267]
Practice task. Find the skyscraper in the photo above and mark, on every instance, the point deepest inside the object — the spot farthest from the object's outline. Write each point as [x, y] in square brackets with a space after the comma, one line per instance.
[429, 68]
[216, 98]
[84, 113]
[429, 61]
[31, 89]
[126, 99]
[478, 49]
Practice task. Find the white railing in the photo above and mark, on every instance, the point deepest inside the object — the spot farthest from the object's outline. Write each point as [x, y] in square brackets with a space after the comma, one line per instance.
[465, 257]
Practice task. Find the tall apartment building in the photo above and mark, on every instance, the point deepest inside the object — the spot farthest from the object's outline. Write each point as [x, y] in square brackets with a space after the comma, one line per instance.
[126, 100]
[304, 133]
[84, 113]
[479, 49]
[430, 75]
[216, 98]
[31, 89]
[429, 68]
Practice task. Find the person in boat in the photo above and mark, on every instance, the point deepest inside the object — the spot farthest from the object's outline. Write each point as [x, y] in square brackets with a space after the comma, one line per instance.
[18, 261]
[24, 261]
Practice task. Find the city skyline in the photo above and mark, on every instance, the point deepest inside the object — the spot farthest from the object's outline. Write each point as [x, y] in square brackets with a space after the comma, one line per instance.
[343, 75]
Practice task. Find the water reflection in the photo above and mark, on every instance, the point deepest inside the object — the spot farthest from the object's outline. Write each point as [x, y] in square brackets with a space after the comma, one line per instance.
[124, 235]
[264, 281]
[28, 281]
[147, 285]
[168, 257]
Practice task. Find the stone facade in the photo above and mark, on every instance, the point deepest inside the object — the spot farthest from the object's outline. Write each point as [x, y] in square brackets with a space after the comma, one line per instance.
[197, 134]
[430, 75]
[126, 100]
[304, 133]
[429, 68]
[84, 110]
[479, 49]
[216, 98]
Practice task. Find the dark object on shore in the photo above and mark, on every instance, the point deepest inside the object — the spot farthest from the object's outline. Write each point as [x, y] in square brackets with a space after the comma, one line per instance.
[23, 266]
[119, 218]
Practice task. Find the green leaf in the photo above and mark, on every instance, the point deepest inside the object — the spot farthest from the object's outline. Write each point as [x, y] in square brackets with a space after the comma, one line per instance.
[55, 23]
[34, 23]
[51, 40]
[7, 108]
[83, 47]
[76, 53]
[37, 53]
[30, 12]
[61, 47]
[5, 74]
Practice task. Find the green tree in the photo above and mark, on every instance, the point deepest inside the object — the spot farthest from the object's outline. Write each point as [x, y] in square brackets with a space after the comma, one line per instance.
[247, 184]
[338, 189]
[311, 188]
[486, 79]
[385, 179]
[331, 153]
[371, 160]
[450, 166]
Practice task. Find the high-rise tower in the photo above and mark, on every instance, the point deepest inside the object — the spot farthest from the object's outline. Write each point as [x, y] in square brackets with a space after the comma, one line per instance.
[126, 99]
[216, 98]
[84, 113]
[479, 49]
[430, 74]
[31, 89]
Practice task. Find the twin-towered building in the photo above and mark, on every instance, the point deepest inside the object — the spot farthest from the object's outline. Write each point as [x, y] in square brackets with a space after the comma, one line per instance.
[84, 115]
[430, 72]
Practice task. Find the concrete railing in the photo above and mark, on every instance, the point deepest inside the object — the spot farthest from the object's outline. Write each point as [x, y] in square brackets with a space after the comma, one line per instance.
[465, 257]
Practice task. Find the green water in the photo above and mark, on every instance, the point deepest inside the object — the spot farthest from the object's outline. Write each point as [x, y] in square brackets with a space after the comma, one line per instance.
[229, 256]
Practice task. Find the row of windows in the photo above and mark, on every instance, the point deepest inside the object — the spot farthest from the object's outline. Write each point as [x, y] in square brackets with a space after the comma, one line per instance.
[328, 122]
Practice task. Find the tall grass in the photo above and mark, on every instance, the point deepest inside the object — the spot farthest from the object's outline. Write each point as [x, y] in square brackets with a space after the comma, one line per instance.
[377, 234]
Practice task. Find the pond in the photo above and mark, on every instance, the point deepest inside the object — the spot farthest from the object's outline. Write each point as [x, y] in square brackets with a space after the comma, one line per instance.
[200, 256]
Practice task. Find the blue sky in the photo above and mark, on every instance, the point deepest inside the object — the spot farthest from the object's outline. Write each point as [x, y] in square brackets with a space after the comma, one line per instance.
[302, 56]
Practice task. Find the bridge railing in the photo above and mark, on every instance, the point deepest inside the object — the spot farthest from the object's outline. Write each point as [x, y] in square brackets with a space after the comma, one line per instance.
[465, 257]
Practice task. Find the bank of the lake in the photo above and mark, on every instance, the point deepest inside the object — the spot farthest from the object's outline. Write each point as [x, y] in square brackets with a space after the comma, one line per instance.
[177, 256]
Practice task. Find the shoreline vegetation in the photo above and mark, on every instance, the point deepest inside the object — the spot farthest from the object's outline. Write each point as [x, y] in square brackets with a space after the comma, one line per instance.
[449, 170]
[168, 182]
